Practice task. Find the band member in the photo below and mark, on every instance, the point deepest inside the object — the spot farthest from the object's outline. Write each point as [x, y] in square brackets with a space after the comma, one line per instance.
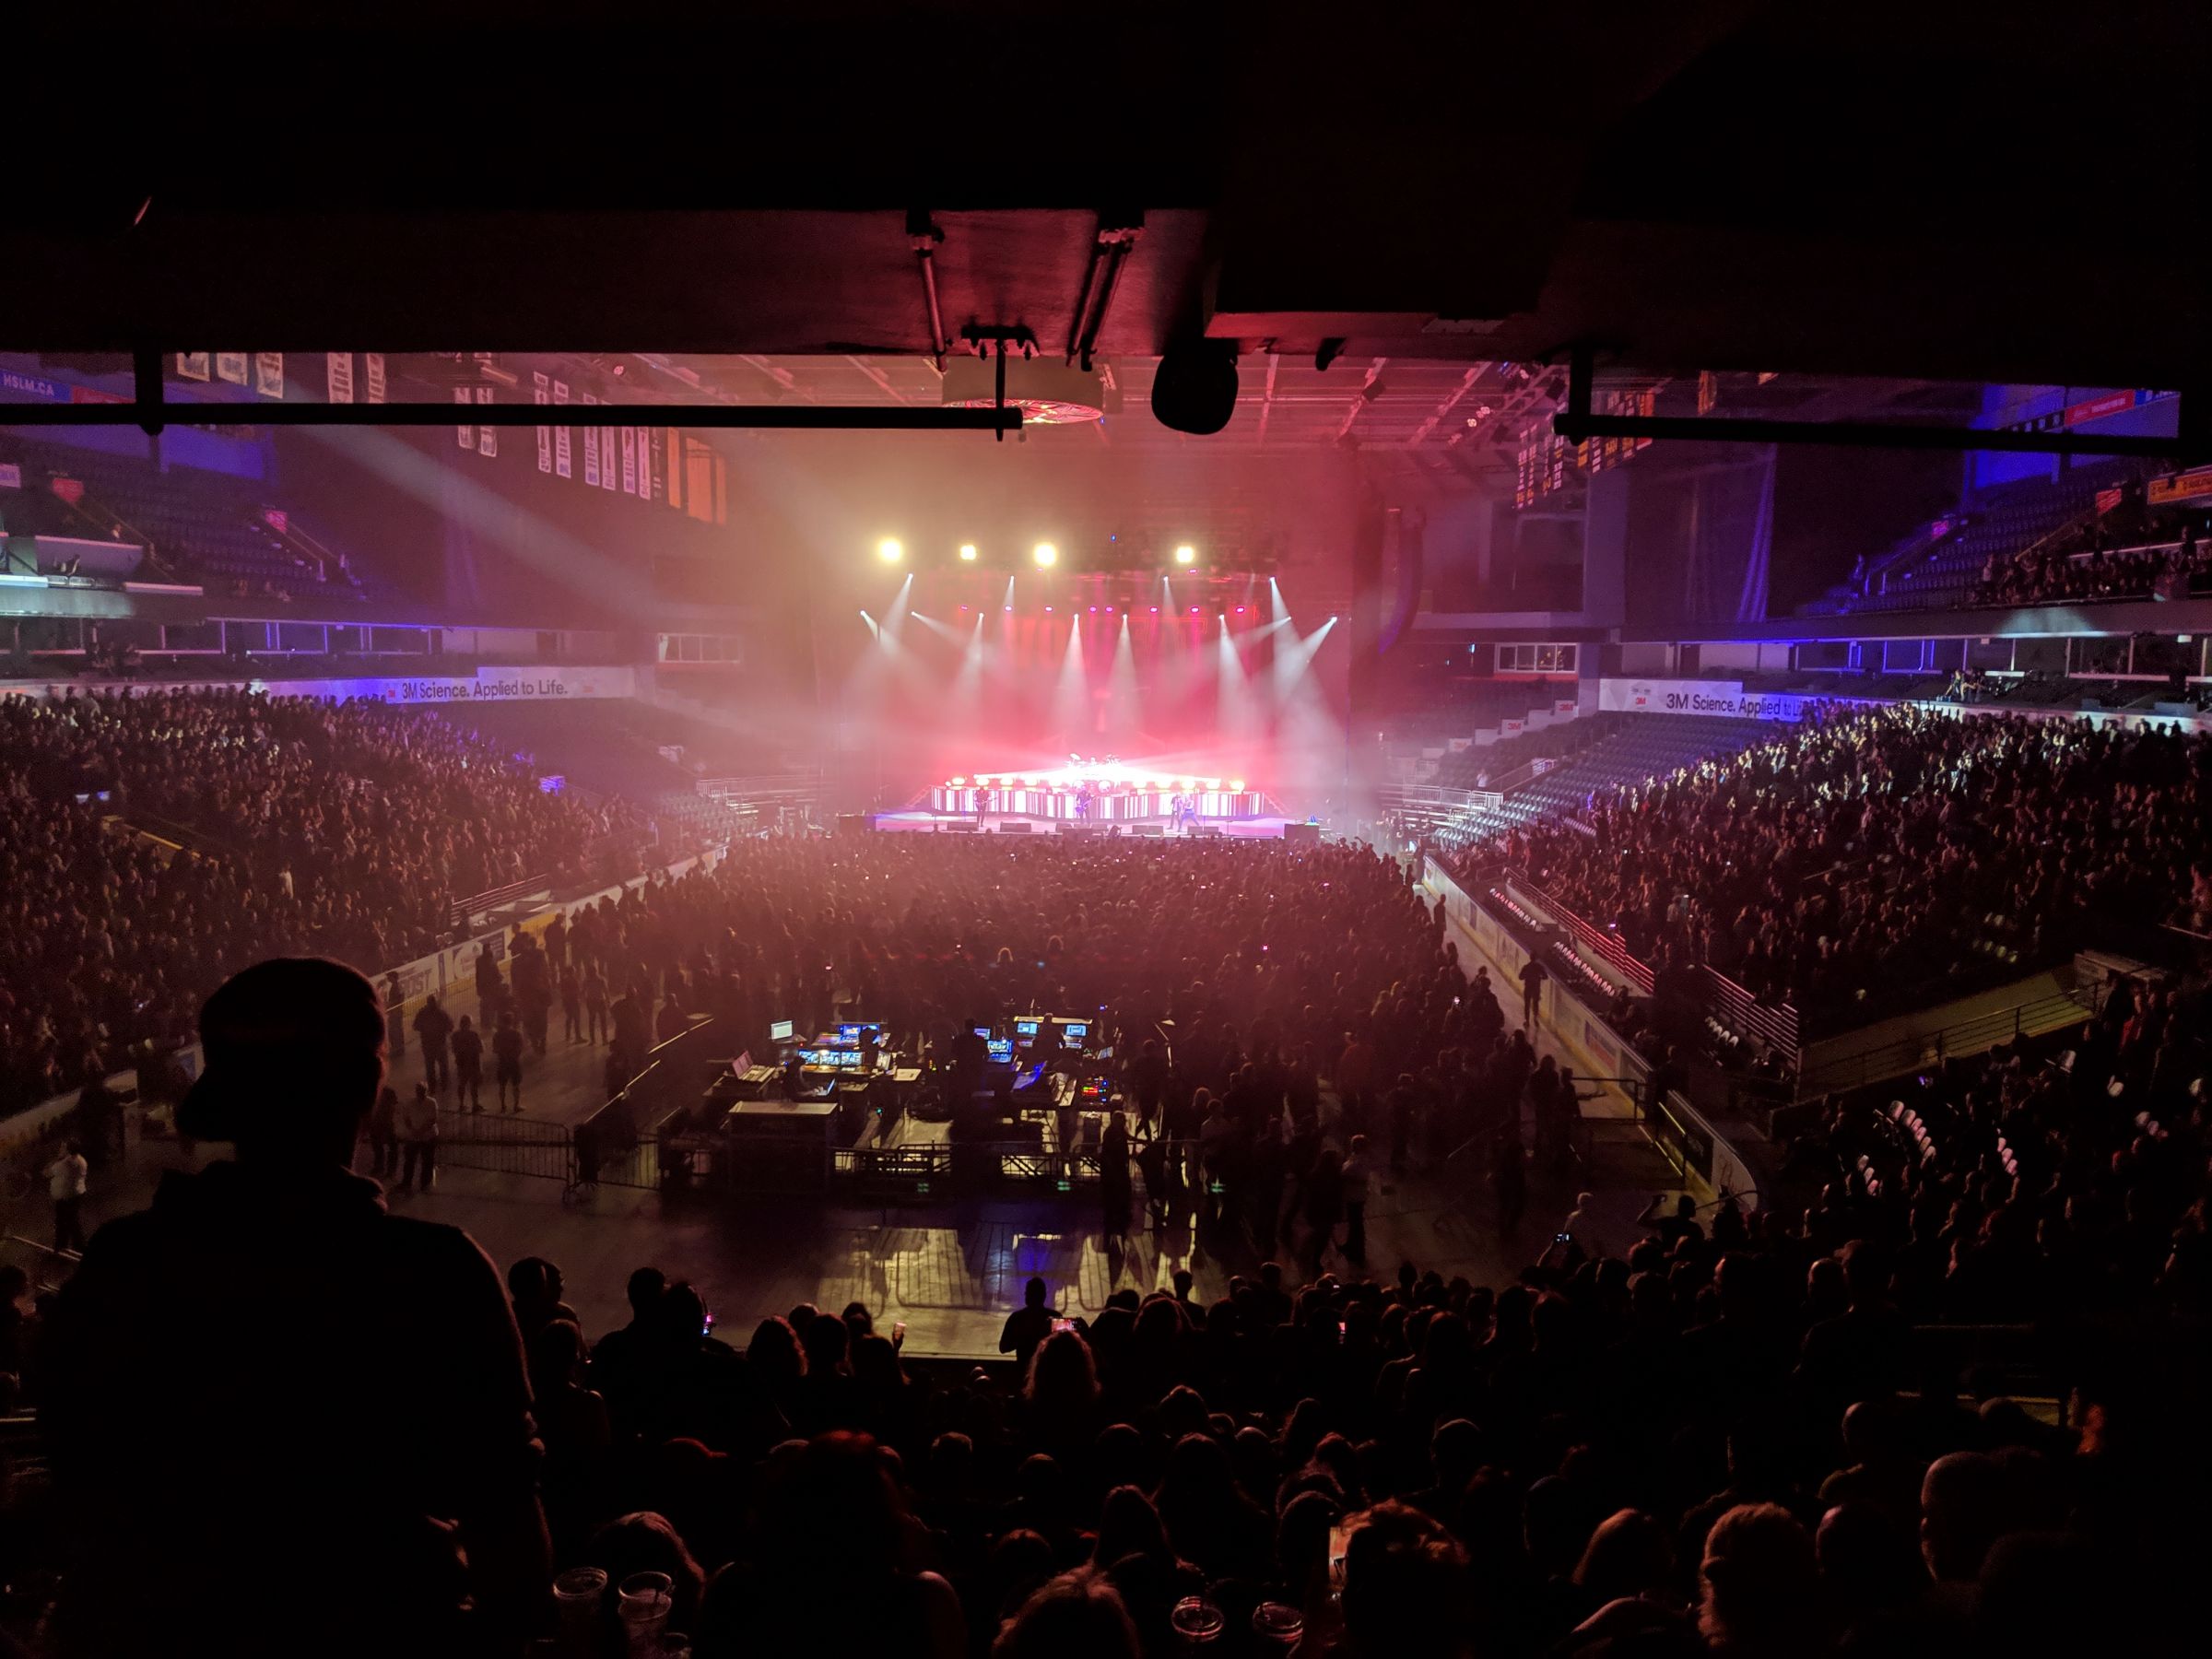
[982, 806]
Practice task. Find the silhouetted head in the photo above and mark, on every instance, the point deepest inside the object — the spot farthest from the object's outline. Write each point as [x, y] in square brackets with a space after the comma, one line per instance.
[293, 1055]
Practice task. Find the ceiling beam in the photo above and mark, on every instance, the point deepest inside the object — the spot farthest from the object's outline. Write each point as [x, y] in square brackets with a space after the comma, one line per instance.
[1359, 399]
[1467, 385]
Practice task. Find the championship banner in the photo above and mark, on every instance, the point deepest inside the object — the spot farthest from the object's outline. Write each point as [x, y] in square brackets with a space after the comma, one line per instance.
[193, 365]
[629, 461]
[606, 457]
[372, 362]
[487, 437]
[231, 366]
[268, 373]
[560, 434]
[541, 391]
[658, 471]
[466, 435]
[591, 449]
[339, 374]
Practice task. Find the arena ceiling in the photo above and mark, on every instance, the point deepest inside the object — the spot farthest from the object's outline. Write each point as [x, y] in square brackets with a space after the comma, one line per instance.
[1979, 189]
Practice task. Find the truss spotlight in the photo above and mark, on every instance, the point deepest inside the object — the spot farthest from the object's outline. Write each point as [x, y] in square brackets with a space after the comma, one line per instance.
[890, 551]
[1046, 555]
[1186, 555]
[967, 552]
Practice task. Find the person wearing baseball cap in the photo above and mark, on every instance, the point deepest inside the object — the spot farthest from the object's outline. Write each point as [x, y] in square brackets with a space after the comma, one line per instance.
[282, 1419]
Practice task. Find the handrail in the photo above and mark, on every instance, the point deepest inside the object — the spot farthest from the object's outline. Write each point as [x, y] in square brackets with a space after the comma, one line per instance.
[45, 1250]
[1969, 1036]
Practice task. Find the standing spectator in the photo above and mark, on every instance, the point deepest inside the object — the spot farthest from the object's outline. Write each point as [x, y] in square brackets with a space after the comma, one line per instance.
[571, 1004]
[468, 1067]
[1355, 1201]
[418, 1139]
[596, 1006]
[384, 1135]
[1028, 1325]
[359, 1441]
[1532, 990]
[65, 1181]
[507, 1062]
[434, 1026]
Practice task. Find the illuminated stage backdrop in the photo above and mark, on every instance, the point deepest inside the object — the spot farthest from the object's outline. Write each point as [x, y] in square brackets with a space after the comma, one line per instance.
[1243, 689]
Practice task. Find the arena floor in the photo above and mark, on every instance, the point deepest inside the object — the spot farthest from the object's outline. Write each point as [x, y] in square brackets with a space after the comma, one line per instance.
[1260, 828]
[951, 1273]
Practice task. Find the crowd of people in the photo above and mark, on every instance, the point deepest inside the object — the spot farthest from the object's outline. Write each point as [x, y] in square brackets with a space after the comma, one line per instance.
[1733, 1436]
[2058, 574]
[1855, 860]
[344, 829]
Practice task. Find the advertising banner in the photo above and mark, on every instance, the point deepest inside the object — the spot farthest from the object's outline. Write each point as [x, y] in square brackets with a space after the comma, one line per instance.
[487, 684]
[1699, 697]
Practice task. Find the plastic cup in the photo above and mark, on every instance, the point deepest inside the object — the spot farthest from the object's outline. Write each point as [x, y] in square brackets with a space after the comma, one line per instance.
[646, 1598]
[1196, 1621]
[578, 1594]
[1277, 1627]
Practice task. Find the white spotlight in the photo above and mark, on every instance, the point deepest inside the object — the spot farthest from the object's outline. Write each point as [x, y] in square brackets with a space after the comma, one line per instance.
[1186, 553]
[890, 551]
[1046, 555]
[967, 552]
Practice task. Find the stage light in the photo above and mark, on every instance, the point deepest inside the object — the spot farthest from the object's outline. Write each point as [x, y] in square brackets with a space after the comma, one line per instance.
[1046, 555]
[1194, 611]
[967, 552]
[890, 551]
[1239, 610]
[1186, 553]
[1009, 608]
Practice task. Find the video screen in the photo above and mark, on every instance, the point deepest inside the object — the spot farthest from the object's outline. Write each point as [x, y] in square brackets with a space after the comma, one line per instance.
[1025, 1028]
[779, 1032]
[1002, 1049]
[1075, 1030]
[860, 1034]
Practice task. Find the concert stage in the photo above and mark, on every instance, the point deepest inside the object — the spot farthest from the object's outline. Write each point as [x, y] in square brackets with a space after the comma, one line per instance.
[1098, 791]
[1269, 828]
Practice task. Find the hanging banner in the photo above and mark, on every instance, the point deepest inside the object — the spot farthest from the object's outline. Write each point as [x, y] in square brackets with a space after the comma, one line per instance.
[630, 460]
[606, 457]
[591, 449]
[464, 435]
[659, 469]
[193, 365]
[268, 373]
[372, 362]
[560, 434]
[541, 391]
[2182, 487]
[487, 437]
[11, 475]
[231, 366]
[339, 373]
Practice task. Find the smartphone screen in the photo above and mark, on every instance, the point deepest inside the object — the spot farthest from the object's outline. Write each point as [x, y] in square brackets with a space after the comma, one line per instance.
[1064, 1324]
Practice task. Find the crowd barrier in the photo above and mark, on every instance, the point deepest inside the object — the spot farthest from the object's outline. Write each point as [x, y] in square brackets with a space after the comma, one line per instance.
[1698, 1150]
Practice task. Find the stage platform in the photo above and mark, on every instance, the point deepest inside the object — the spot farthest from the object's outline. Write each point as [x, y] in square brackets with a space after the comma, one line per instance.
[926, 822]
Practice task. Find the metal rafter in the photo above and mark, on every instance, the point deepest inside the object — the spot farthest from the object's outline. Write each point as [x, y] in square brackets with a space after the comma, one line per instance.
[1359, 399]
